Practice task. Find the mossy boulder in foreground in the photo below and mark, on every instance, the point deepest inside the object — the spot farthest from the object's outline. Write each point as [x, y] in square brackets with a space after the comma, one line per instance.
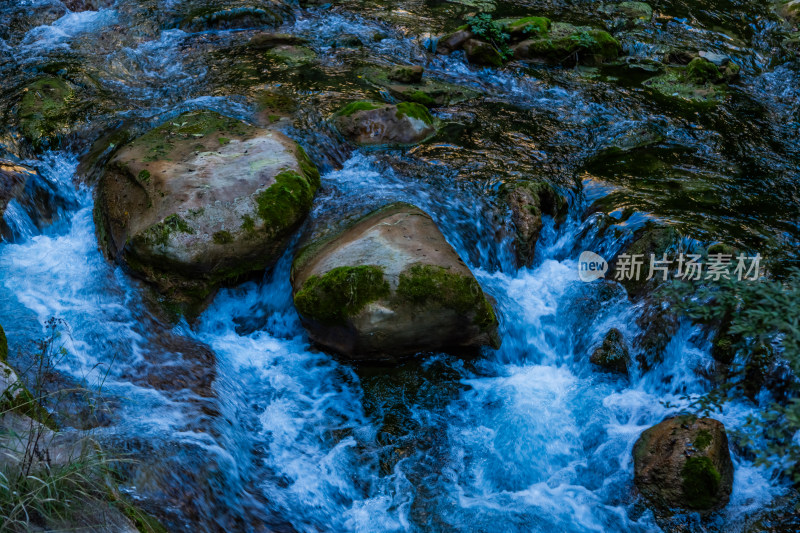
[202, 200]
[374, 123]
[390, 286]
[684, 463]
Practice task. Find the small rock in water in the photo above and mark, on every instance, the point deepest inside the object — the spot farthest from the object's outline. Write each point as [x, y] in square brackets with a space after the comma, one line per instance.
[407, 74]
[684, 463]
[373, 123]
[613, 354]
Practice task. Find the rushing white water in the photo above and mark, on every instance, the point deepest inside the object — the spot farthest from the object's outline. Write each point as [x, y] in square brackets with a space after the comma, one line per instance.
[534, 438]
[526, 438]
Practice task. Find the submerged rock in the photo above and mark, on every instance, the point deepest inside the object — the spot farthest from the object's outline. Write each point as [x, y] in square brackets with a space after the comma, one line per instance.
[529, 201]
[234, 14]
[379, 123]
[400, 83]
[406, 74]
[36, 201]
[627, 15]
[700, 83]
[291, 55]
[684, 463]
[613, 354]
[201, 200]
[390, 286]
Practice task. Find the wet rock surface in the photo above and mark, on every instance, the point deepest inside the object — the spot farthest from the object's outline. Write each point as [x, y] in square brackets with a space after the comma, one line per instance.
[391, 286]
[684, 462]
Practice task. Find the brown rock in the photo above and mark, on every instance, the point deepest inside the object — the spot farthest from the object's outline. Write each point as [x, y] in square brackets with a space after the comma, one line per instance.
[684, 462]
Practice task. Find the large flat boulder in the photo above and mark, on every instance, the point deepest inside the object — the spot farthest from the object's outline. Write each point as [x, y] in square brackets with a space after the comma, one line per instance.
[390, 286]
[202, 200]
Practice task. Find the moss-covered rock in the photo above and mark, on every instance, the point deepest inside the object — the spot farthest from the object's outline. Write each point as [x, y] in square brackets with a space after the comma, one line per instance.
[406, 74]
[535, 39]
[612, 354]
[291, 55]
[201, 200]
[529, 201]
[233, 14]
[568, 44]
[390, 286]
[482, 53]
[790, 10]
[44, 111]
[684, 463]
[526, 27]
[701, 83]
[371, 123]
[628, 15]
[426, 91]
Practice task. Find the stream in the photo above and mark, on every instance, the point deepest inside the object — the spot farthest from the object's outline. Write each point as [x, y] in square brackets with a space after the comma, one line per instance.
[235, 422]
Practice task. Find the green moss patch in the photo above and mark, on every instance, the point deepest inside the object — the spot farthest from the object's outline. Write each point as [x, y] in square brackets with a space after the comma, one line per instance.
[248, 223]
[43, 109]
[222, 237]
[700, 483]
[354, 107]
[160, 141]
[566, 41]
[308, 167]
[531, 26]
[340, 293]
[423, 284]
[158, 234]
[414, 110]
[702, 70]
[702, 440]
[286, 201]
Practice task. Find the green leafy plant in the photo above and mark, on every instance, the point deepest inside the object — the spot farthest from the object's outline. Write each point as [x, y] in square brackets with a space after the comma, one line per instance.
[484, 27]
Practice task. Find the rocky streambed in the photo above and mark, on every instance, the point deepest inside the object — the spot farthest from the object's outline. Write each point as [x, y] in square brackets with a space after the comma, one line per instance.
[318, 263]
